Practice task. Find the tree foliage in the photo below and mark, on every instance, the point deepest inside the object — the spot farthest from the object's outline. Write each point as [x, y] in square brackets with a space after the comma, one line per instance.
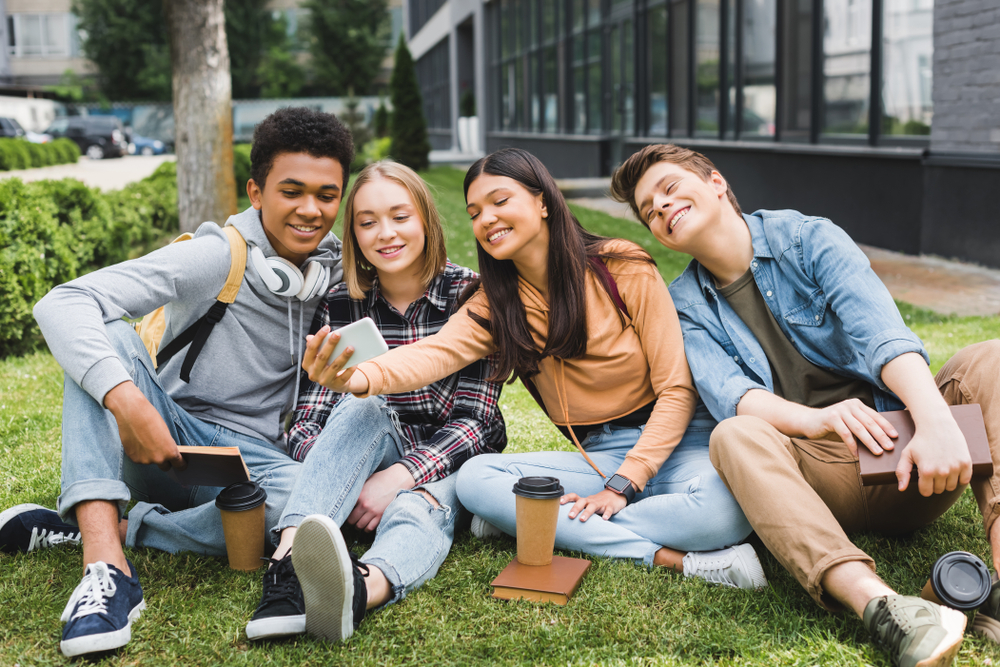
[409, 127]
[248, 32]
[348, 43]
[279, 72]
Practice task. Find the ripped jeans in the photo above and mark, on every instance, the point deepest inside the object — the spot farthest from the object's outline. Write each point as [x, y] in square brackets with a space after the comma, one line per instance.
[361, 438]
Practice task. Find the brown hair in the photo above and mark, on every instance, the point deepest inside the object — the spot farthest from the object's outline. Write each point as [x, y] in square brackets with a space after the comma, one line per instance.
[627, 176]
[358, 274]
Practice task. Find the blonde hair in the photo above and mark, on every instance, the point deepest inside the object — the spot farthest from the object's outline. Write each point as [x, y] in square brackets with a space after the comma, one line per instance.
[358, 274]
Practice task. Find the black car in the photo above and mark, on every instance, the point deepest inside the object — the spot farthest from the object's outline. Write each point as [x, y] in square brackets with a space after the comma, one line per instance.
[10, 128]
[97, 136]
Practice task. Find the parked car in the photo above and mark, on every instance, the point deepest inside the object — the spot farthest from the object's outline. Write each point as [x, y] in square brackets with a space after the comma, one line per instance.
[10, 128]
[97, 136]
[140, 145]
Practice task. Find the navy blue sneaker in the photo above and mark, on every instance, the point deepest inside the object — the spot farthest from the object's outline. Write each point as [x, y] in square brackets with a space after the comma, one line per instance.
[24, 528]
[100, 612]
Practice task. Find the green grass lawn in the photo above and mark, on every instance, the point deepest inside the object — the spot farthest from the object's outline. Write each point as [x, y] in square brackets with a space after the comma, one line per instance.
[623, 614]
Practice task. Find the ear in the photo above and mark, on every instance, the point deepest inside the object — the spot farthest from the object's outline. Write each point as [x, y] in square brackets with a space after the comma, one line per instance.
[719, 183]
[256, 196]
[541, 205]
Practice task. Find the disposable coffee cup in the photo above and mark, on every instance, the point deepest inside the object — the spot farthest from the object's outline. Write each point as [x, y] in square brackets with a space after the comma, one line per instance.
[537, 513]
[241, 506]
[958, 580]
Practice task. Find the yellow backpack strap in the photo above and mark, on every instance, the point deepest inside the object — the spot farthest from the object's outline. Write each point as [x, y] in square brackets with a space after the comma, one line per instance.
[237, 267]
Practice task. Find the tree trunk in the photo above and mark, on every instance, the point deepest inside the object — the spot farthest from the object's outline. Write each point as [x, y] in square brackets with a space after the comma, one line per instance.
[203, 116]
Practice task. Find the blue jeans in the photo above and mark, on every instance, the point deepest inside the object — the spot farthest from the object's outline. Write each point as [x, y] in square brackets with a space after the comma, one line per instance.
[360, 438]
[685, 507]
[167, 516]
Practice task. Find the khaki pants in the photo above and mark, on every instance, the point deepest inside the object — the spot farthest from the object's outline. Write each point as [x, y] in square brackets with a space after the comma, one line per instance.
[802, 497]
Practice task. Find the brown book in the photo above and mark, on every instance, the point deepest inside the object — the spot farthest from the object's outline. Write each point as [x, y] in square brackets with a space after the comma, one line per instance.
[881, 469]
[210, 466]
[542, 583]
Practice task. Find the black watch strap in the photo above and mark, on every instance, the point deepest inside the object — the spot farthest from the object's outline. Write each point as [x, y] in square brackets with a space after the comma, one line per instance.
[622, 486]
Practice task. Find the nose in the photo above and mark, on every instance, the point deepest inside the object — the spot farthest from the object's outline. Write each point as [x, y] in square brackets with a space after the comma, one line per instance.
[386, 232]
[487, 217]
[660, 203]
[307, 207]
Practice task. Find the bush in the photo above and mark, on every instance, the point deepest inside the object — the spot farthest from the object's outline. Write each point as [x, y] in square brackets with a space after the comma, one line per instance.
[241, 168]
[69, 152]
[408, 126]
[53, 231]
[14, 154]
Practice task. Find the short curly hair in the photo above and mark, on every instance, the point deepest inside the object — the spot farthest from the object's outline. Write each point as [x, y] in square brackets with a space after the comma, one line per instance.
[299, 130]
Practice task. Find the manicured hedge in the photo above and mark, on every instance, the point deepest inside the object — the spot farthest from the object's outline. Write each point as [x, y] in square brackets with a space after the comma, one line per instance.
[241, 168]
[22, 154]
[53, 231]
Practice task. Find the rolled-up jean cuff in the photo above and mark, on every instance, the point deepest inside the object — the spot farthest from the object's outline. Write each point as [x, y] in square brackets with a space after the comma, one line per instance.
[110, 490]
[648, 559]
[397, 589]
[287, 521]
[135, 519]
[814, 583]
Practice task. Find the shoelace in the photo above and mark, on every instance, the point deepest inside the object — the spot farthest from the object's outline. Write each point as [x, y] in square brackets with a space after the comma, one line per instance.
[358, 565]
[41, 538]
[712, 570]
[282, 583]
[886, 630]
[92, 594]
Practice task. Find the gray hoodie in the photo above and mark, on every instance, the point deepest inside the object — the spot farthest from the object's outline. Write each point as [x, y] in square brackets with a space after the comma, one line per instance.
[244, 378]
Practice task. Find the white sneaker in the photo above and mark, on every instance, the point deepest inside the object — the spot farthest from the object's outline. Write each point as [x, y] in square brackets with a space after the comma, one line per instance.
[483, 529]
[737, 567]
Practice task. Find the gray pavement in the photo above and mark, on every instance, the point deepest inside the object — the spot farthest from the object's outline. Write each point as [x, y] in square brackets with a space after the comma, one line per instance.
[941, 285]
[107, 174]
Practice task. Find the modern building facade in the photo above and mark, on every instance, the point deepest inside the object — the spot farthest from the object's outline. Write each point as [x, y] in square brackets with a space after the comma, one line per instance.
[880, 114]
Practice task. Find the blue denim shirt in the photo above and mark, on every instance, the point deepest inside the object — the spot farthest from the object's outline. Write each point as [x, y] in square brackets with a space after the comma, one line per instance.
[825, 297]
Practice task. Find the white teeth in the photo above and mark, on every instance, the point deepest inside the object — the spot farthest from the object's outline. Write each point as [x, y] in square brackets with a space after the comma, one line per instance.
[677, 218]
[303, 228]
[389, 251]
[501, 233]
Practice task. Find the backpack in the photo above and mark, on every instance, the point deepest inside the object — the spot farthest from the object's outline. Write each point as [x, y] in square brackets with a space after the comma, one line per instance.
[152, 326]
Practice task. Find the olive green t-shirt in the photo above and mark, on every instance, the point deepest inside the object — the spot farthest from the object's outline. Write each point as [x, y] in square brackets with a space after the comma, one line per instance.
[796, 379]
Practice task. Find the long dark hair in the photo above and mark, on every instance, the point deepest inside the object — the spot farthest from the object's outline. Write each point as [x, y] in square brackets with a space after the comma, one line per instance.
[571, 248]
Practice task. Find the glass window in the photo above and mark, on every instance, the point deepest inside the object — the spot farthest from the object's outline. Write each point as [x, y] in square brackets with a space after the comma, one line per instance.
[536, 101]
[551, 79]
[907, 50]
[579, 14]
[594, 80]
[579, 85]
[30, 35]
[678, 97]
[656, 22]
[728, 98]
[595, 13]
[759, 33]
[707, 68]
[847, 42]
[797, 72]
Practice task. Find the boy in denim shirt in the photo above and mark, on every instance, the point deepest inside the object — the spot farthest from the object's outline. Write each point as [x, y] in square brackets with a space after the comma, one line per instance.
[795, 346]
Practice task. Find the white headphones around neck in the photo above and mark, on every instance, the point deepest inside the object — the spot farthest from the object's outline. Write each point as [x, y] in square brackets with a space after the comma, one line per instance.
[285, 279]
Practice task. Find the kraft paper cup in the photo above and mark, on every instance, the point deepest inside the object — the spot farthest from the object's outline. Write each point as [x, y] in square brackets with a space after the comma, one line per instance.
[958, 580]
[537, 513]
[241, 506]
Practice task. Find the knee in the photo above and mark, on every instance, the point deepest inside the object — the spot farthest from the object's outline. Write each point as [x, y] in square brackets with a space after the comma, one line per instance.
[735, 438]
[125, 340]
[977, 358]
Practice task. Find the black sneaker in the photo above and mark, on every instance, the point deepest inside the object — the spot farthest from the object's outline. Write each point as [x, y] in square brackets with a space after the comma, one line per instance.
[100, 612]
[332, 579]
[281, 612]
[24, 528]
[915, 632]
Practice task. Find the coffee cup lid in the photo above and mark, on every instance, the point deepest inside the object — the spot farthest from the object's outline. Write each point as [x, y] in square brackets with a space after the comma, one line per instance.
[538, 488]
[240, 496]
[961, 580]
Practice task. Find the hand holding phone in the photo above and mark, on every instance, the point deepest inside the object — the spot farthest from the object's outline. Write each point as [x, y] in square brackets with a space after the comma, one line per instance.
[364, 337]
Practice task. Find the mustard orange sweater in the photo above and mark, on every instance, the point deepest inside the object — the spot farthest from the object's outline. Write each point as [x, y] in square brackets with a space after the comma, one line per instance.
[622, 369]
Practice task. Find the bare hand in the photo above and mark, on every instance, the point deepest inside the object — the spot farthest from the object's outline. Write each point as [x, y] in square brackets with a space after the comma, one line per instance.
[850, 420]
[316, 361]
[606, 504]
[939, 451]
[144, 435]
[379, 490]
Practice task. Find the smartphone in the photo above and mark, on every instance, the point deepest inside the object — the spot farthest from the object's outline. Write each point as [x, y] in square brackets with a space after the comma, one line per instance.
[364, 337]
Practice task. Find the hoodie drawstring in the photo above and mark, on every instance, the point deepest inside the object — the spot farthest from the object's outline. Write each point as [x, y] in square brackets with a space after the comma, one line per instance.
[564, 404]
[295, 350]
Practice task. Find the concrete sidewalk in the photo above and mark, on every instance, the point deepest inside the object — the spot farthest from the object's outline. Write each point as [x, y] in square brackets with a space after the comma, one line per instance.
[941, 285]
[107, 174]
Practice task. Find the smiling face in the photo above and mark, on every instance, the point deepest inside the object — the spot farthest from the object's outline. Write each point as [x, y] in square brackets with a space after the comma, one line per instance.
[298, 203]
[678, 206]
[388, 228]
[507, 219]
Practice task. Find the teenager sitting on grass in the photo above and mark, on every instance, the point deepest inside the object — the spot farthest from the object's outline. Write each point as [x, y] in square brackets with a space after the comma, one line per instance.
[123, 420]
[362, 458]
[795, 343]
[612, 376]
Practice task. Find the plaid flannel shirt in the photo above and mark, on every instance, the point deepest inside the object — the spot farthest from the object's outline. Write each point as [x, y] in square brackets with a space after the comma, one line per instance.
[444, 423]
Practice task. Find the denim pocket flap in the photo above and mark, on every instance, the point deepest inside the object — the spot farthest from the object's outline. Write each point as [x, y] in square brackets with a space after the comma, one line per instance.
[809, 314]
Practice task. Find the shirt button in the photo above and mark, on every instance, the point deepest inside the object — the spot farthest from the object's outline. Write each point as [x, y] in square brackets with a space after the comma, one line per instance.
[769, 292]
[736, 359]
[817, 318]
[754, 265]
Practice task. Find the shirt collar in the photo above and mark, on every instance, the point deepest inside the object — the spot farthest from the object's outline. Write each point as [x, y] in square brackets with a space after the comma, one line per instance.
[761, 249]
[435, 294]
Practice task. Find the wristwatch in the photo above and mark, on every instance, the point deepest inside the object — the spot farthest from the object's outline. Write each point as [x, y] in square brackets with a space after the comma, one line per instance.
[622, 486]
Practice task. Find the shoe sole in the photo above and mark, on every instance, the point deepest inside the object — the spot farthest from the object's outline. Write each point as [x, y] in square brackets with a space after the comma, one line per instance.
[483, 529]
[953, 622]
[751, 567]
[323, 565]
[276, 627]
[987, 627]
[107, 641]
